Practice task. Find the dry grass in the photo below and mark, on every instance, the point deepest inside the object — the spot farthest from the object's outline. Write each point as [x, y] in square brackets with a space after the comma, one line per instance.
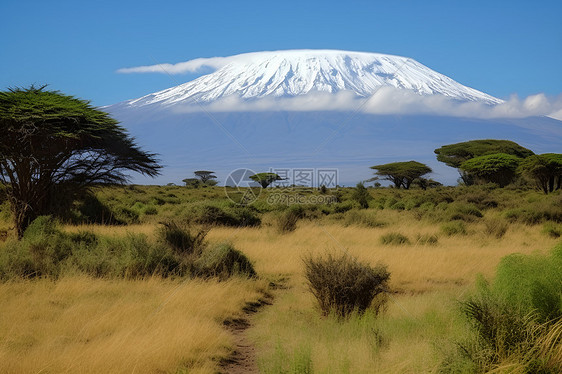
[85, 325]
[453, 261]
[422, 315]
[82, 325]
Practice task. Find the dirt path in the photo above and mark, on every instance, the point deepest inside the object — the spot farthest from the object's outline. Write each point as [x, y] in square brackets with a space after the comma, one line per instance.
[243, 358]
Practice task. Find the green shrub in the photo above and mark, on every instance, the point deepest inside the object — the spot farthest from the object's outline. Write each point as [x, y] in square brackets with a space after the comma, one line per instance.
[394, 238]
[516, 321]
[181, 238]
[453, 228]
[342, 207]
[150, 210]
[463, 212]
[45, 251]
[224, 261]
[361, 196]
[126, 215]
[226, 215]
[342, 285]
[532, 283]
[399, 205]
[362, 218]
[536, 213]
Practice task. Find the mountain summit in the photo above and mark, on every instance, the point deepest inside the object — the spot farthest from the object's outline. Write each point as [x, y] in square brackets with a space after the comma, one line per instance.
[298, 72]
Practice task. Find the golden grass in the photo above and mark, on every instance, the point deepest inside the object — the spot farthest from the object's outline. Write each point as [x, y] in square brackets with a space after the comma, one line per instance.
[84, 325]
[88, 325]
[452, 262]
[422, 317]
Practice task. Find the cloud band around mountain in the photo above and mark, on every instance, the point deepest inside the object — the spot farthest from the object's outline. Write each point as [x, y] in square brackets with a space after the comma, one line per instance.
[388, 100]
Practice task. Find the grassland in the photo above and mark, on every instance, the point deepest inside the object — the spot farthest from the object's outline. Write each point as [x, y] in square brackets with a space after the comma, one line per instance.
[77, 322]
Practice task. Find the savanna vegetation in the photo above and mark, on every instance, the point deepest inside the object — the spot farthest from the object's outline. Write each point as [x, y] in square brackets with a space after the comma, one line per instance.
[412, 278]
[151, 254]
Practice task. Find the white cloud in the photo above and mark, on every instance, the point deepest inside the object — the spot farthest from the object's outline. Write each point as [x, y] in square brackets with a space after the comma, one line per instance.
[190, 66]
[389, 100]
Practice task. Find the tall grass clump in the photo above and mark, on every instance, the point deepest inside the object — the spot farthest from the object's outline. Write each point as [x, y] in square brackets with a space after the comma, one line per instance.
[394, 238]
[183, 239]
[287, 221]
[495, 227]
[453, 228]
[342, 284]
[516, 321]
[224, 261]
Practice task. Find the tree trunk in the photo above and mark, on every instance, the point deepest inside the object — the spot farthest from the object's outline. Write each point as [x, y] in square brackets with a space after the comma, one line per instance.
[23, 214]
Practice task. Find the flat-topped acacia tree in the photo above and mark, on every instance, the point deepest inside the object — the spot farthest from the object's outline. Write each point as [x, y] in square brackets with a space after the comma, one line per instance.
[54, 146]
[205, 175]
[402, 174]
[454, 155]
[265, 179]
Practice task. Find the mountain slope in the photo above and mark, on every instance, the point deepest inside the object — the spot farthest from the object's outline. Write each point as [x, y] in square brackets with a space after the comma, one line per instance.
[224, 137]
[299, 72]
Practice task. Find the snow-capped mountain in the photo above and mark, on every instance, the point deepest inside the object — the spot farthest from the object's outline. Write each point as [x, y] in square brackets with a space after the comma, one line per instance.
[292, 109]
[298, 72]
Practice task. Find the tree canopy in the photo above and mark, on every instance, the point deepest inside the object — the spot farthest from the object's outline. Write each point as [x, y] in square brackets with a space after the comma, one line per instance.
[54, 145]
[455, 154]
[265, 179]
[402, 174]
[205, 175]
[497, 168]
[544, 170]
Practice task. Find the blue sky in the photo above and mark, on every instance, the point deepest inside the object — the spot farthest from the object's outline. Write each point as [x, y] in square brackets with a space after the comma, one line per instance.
[500, 47]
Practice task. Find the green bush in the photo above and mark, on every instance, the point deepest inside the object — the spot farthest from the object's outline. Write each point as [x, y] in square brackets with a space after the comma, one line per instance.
[361, 196]
[463, 212]
[516, 320]
[532, 283]
[535, 213]
[224, 261]
[362, 218]
[150, 210]
[45, 251]
[453, 228]
[342, 285]
[226, 215]
[182, 239]
[394, 238]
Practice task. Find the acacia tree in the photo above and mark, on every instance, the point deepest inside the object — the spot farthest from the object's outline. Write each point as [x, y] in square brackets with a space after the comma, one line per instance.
[497, 168]
[544, 170]
[265, 179]
[54, 146]
[205, 175]
[402, 174]
[455, 154]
